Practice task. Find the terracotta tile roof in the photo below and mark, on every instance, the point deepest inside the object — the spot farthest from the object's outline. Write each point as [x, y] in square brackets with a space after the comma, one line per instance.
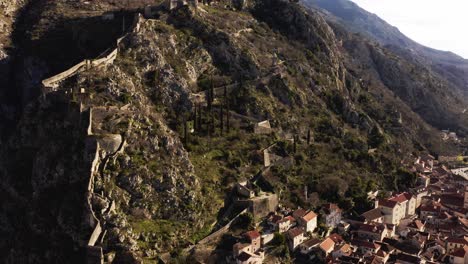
[445, 215]
[373, 260]
[452, 199]
[372, 214]
[251, 235]
[401, 198]
[463, 221]
[327, 245]
[381, 253]
[311, 242]
[295, 232]
[371, 228]
[336, 238]
[387, 203]
[365, 244]
[419, 237]
[346, 248]
[460, 252]
[299, 213]
[309, 216]
[458, 240]
[275, 218]
[417, 224]
[460, 211]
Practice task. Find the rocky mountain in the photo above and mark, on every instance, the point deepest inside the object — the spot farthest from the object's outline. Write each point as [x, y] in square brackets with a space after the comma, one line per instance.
[10, 11]
[132, 122]
[359, 20]
[450, 69]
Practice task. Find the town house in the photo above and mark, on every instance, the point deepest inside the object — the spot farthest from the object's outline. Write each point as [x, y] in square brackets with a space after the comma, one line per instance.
[309, 245]
[344, 250]
[254, 239]
[295, 237]
[459, 256]
[327, 246]
[397, 207]
[453, 243]
[308, 221]
[366, 248]
[371, 232]
[373, 216]
[331, 215]
[392, 211]
[250, 252]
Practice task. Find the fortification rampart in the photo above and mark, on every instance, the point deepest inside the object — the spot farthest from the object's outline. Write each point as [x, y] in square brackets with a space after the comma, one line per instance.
[220, 231]
[52, 83]
[93, 150]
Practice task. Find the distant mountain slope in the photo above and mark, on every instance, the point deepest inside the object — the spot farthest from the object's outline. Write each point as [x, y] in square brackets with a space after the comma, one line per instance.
[453, 67]
[437, 77]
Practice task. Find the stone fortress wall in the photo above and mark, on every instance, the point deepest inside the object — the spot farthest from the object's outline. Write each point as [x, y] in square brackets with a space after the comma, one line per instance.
[96, 145]
[52, 83]
[99, 148]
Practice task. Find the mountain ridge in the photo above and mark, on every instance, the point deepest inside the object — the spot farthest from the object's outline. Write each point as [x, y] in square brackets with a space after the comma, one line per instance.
[174, 118]
[450, 69]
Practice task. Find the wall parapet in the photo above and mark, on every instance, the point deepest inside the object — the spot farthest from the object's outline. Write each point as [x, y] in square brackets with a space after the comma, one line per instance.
[222, 230]
[52, 83]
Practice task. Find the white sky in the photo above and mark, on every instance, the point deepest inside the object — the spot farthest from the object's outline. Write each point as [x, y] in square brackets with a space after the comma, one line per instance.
[439, 24]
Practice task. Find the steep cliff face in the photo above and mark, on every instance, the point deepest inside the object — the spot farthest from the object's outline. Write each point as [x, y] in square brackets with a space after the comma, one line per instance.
[9, 12]
[8, 15]
[136, 156]
[430, 96]
[432, 82]
[44, 176]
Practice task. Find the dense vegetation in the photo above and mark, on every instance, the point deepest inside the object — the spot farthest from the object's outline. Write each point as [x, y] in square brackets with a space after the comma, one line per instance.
[185, 93]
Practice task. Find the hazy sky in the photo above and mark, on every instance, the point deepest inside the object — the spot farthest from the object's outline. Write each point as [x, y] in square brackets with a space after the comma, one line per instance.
[439, 24]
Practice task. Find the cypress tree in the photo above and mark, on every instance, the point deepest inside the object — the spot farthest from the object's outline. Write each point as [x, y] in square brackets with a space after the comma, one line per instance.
[200, 114]
[212, 127]
[295, 143]
[221, 120]
[228, 115]
[185, 132]
[194, 117]
[212, 90]
[209, 125]
[208, 101]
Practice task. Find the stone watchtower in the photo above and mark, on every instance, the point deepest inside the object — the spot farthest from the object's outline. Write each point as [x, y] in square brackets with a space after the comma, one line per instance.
[174, 4]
